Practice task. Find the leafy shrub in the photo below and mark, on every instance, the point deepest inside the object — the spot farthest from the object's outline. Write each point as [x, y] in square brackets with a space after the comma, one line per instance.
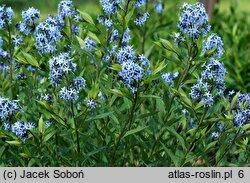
[116, 91]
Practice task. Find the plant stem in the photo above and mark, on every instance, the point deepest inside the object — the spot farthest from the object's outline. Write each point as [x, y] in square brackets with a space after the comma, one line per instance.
[196, 130]
[144, 32]
[10, 60]
[76, 128]
[226, 150]
[182, 78]
[123, 30]
[128, 123]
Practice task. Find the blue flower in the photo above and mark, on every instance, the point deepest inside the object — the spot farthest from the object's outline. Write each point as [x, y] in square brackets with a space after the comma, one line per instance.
[215, 135]
[66, 8]
[193, 20]
[126, 36]
[170, 77]
[114, 36]
[20, 129]
[159, 7]
[139, 3]
[90, 44]
[6, 15]
[131, 73]
[110, 6]
[48, 123]
[8, 107]
[47, 35]
[30, 20]
[126, 54]
[242, 117]
[178, 38]
[46, 97]
[101, 96]
[69, 93]
[213, 42]
[141, 18]
[108, 23]
[91, 103]
[59, 67]
[79, 83]
[31, 16]
[18, 40]
[211, 83]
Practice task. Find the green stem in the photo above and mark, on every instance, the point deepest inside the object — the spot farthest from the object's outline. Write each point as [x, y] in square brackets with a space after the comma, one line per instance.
[10, 61]
[182, 78]
[228, 147]
[76, 128]
[193, 136]
[123, 30]
[144, 32]
[127, 124]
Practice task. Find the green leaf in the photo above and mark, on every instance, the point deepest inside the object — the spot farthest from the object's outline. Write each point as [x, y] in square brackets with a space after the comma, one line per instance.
[24, 155]
[170, 154]
[20, 59]
[41, 125]
[159, 68]
[199, 105]
[178, 136]
[150, 96]
[30, 59]
[94, 37]
[86, 17]
[117, 92]
[81, 42]
[128, 17]
[15, 143]
[48, 136]
[234, 101]
[116, 67]
[133, 131]
[99, 116]
[184, 98]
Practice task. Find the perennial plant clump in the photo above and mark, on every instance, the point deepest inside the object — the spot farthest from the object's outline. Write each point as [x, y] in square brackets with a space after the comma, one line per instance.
[134, 86]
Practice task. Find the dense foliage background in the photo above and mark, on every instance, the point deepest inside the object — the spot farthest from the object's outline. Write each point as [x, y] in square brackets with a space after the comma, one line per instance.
[120, 89]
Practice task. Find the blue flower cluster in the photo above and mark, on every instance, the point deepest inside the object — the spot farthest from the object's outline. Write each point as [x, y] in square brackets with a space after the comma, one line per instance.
[193, 20]
[69, 93]
[20, 129]
[170, 78]
[90, 44]
[110, 6]
[8, 107]
[139, 3]
[219, 129]
[126, 54]
[17, 41]
[126, 36]
[30, 20]
[178, 38]
[141, 18]
[59, 66]
[211, 83]
[6, 15]
[159, 7]
[66, 8]
[47, 35]
[242, 114]
[3, 54]
[213, 42]
[131, 73]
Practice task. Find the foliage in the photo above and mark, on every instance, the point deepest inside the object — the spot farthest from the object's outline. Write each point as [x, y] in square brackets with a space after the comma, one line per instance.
[135, 86]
